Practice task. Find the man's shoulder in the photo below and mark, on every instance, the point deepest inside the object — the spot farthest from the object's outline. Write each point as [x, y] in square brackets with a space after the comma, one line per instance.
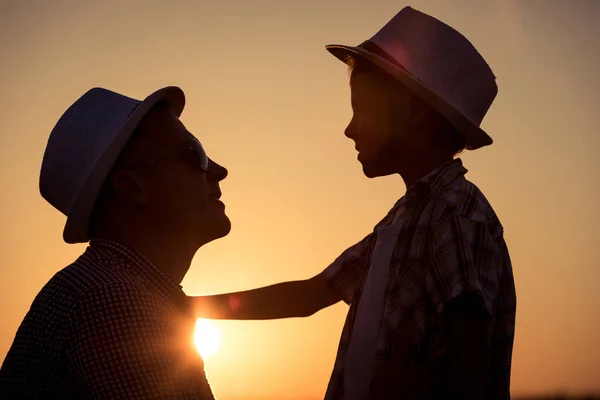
[82, 278]
[54, 309]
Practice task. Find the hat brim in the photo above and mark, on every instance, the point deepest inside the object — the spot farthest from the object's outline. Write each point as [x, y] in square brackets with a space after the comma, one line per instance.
[473, 134]
[77, 225]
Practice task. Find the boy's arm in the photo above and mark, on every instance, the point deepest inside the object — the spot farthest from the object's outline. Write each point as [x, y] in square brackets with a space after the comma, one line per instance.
[282, 300]
[461, 284]
[291, 299]
[470, 336]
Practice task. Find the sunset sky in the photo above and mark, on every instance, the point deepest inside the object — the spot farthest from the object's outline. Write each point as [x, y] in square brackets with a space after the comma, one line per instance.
[269, 103]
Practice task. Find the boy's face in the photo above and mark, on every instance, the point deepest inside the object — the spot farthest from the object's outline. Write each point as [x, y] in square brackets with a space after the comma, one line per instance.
[383, 123]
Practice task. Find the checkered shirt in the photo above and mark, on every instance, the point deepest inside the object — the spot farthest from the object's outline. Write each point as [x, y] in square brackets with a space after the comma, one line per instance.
[451, 242]
[109, 326]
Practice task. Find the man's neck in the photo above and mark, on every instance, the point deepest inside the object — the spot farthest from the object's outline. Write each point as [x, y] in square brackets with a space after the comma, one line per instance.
[171, 257]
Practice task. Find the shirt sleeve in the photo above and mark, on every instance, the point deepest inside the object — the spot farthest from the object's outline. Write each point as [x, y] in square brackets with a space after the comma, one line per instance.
[127, 344]
[345, 272]
[463, 258]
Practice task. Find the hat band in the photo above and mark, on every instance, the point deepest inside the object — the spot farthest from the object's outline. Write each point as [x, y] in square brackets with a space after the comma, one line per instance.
[378, 51]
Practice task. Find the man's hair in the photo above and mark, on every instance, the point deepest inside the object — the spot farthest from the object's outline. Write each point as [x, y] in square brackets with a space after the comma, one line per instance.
[447, 135]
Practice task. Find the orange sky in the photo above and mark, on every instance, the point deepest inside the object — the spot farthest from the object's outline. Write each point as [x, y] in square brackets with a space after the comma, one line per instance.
[271, 104]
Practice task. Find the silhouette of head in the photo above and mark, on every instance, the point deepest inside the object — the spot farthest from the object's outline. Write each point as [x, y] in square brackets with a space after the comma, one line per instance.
[163, 185]
[392, 127]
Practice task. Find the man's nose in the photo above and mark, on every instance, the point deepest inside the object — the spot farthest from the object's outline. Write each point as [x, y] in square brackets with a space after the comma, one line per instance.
[216, 172]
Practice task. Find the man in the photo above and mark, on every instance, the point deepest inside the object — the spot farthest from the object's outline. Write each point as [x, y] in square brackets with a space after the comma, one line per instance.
[431, 290]
[115, 324]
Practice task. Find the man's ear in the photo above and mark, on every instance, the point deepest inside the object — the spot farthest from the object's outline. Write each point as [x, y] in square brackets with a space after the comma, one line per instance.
[128, 186]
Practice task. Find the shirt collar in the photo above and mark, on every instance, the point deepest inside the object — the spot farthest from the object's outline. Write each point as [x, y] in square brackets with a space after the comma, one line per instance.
[157, 279]
[435, 181]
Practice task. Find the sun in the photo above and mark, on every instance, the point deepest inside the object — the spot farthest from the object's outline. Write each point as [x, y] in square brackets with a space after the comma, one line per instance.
[206, 338]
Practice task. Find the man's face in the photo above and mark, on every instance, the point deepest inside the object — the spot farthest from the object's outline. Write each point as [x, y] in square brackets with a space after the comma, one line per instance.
[381, 127]
[179, 197]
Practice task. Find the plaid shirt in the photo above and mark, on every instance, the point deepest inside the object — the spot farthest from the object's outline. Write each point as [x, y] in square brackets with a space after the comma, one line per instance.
[451, 242]
[109, 326]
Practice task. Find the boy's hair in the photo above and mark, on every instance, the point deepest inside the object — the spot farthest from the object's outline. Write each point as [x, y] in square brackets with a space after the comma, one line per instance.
[448, 137]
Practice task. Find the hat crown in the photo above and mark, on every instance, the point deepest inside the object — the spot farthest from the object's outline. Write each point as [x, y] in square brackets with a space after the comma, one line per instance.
[441, 59]
[79, 139]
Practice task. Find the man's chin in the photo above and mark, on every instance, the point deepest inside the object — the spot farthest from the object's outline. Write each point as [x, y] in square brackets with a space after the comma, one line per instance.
[217, 229]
